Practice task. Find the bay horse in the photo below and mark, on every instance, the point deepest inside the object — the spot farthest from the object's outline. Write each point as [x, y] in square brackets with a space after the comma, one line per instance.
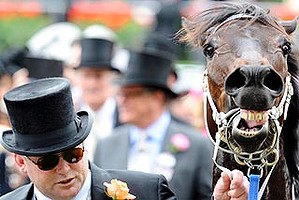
[251, 86]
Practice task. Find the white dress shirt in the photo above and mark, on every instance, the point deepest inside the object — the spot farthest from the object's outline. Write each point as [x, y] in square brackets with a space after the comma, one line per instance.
[145, 161]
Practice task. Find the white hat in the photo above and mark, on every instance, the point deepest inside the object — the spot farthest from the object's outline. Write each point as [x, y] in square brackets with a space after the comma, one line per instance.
[54, 41]
[99, 32]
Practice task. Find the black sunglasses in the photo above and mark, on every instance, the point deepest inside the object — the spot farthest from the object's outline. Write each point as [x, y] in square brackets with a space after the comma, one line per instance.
[49, 162]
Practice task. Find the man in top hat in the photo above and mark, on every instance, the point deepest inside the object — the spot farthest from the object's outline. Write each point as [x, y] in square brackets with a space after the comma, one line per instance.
[47, 139]
[96, 75]
[151, 140]
[154, 42]
[39, 67]
[10, 176]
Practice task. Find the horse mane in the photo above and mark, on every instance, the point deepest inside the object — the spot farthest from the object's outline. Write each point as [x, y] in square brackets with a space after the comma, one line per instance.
[202, 25]
[290, 131]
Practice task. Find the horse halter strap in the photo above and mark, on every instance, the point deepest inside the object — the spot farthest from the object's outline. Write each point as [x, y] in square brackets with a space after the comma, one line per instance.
[231, 18]
[222, 121]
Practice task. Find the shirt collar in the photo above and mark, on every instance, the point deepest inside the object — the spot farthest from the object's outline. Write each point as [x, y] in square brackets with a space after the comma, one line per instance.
[156, 131]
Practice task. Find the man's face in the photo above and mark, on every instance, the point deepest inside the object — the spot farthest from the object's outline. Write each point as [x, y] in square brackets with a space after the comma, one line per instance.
[96, 85]
[135, 104]
[63, 182]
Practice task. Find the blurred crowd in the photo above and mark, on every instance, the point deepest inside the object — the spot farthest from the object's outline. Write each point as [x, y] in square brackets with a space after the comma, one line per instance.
[128, 92]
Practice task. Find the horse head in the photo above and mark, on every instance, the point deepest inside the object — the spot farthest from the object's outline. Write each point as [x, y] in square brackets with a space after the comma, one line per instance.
[249, 82]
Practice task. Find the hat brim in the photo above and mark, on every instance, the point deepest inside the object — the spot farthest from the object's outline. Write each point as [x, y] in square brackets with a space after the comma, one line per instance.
[98, 66]
[149, 83]
[9, 143]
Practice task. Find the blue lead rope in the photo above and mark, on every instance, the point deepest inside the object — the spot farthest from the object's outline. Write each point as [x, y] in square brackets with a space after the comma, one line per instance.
[254, 181]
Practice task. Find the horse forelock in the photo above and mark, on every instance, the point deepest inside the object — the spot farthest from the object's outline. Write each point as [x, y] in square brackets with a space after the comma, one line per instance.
[196, 30]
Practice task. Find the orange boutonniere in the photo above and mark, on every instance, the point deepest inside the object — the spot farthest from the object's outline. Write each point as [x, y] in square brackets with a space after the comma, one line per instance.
[118, 190]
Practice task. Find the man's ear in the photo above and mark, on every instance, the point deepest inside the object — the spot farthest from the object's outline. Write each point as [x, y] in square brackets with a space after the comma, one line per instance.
[20, 162]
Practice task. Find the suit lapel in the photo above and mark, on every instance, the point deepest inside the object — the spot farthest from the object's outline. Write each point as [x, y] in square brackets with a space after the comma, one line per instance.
[171, 130]
[118, 158]
[99, 176]
[123, 150]
[23, 193]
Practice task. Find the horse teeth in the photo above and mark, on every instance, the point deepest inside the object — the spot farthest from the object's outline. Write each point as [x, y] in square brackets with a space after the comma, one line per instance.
[248, 133]
[253, 115]
[244, 115]
[258, 116]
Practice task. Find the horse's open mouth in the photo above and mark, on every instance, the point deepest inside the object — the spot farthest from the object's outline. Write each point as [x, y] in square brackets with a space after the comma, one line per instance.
[250, 129]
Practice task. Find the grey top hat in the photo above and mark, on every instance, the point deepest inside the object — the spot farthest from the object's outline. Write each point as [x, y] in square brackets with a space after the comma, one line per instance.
[43, 118]
[97, 53]
[148, 68]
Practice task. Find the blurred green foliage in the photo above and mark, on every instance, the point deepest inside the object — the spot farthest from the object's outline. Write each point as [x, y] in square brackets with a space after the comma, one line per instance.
[129, 35]
[16, 31]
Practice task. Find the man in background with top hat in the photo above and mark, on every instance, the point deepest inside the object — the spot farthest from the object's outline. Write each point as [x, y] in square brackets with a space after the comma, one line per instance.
[96, 74]
[150, 140]
[47, 139]
[10, 176]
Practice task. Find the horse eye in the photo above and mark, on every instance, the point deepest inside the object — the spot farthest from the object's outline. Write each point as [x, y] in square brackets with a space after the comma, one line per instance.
[208, 50]
[286, 48]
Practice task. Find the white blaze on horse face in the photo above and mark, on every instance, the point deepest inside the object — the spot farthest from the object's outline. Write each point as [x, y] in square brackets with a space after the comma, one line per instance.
[250, 52]
[251, 57]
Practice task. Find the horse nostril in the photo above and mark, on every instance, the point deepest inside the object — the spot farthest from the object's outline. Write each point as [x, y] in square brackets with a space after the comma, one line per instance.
[254, 76]
[273, 82]
[234, 82]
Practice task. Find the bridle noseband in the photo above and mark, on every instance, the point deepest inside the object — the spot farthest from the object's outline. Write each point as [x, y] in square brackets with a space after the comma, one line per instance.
[257, 160]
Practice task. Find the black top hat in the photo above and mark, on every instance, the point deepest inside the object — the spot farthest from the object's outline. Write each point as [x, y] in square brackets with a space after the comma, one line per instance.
[43, 67]
[160, 44]
[148, 69]
[97, 53]
[155, 42]
[43, 118]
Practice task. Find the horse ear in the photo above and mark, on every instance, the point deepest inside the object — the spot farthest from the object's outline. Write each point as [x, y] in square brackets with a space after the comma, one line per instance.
[185, 22]
[290, 26]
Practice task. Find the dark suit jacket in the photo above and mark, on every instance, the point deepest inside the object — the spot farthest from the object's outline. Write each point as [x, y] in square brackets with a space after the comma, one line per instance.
[144, 186]
[4, 186]
[193, 170]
